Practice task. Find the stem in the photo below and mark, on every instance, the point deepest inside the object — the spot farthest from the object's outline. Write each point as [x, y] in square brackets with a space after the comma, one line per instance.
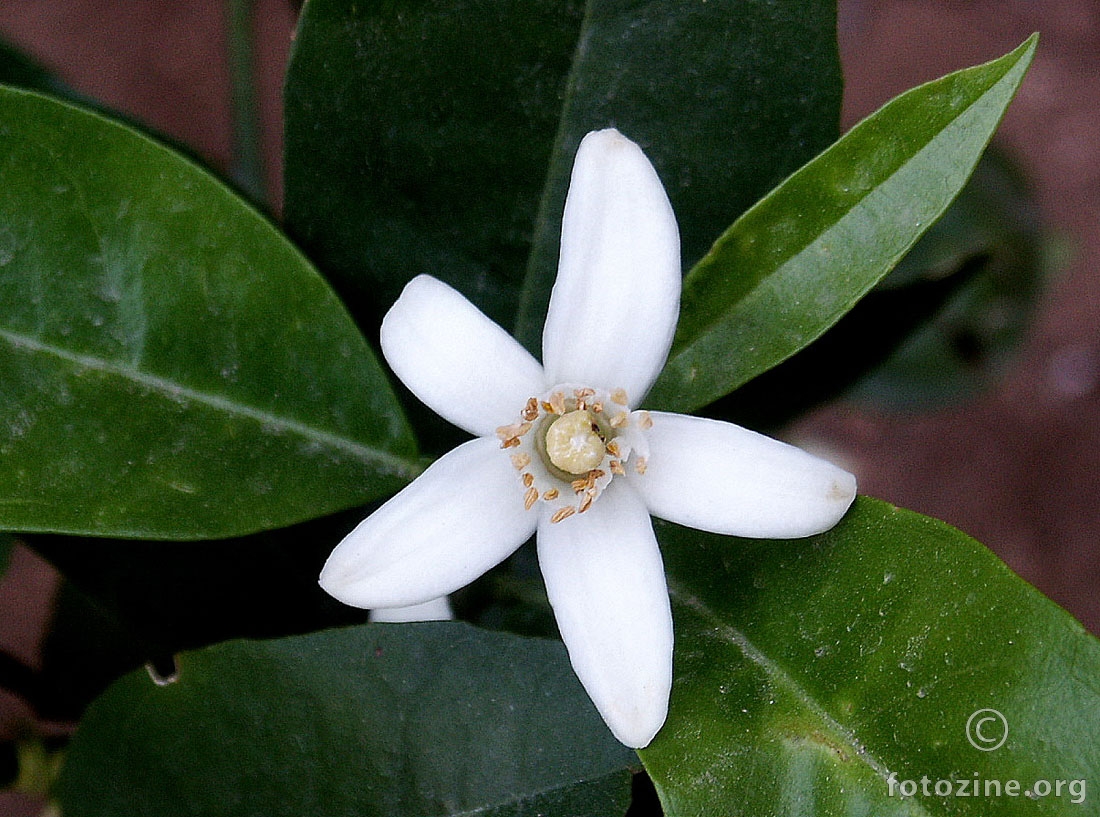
[247, 166]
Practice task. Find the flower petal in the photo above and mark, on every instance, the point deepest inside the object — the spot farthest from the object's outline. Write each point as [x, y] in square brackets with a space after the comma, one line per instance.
[452, 523]
[606, 582]
[722, 478]
[435, 610]
[615, 303]
[457, 361]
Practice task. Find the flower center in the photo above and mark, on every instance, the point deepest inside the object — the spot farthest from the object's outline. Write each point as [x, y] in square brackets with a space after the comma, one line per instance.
[570, 442]
[574, 443]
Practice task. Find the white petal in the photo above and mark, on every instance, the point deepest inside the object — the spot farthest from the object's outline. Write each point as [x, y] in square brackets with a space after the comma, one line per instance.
[435, 610]
[452, 523]
[726, 479]
[457, 361]
[606, 582]
[616, 300]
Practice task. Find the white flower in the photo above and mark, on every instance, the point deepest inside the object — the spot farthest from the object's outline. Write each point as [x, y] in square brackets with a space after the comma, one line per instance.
[561, 448]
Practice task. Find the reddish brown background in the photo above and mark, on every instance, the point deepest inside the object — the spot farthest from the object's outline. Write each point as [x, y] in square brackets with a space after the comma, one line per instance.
[1017, 469]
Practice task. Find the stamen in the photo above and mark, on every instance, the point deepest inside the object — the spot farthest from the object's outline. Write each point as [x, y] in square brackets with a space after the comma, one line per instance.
[557, 403]
[531, 410]
[528, 480]
[578, 485]
[613, 449]
[586, 503]
[511, 442]
[521, 460]
[619, 420]
[640, 465]
[619, 396]
[530, 498]
[513, 430]
[645, 422]
[617, 467]
[562, 513]
[550, 495]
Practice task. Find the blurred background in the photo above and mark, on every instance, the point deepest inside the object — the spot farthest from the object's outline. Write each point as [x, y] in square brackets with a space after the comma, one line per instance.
[1015, 466]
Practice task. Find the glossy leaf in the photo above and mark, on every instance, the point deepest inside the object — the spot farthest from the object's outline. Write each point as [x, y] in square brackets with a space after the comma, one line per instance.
[796, 262]
[944, 324]
[419, 135]
[715, 95]
[989, 248]
[810, 672]
[403, 720]
[172, 366]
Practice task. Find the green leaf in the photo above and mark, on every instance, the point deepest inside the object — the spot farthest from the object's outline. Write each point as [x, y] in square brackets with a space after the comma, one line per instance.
[796, 262]
[991, 249]
[405, 720]
[723, 105]
[417, 138]
[172, 366]
[809, 672]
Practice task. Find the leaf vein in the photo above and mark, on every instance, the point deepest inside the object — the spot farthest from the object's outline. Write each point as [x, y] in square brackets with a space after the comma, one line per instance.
[178, 392]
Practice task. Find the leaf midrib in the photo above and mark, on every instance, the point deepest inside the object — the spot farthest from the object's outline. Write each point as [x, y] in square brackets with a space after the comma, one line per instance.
[176, 391]
[777, 673]
[703, 330]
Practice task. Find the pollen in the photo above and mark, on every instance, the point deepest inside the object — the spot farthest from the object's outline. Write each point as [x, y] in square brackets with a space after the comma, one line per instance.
[531, 410]
[570, 442]
[562, 513]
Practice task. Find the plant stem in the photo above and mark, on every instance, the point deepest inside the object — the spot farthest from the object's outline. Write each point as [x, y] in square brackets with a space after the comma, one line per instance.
[247, 167]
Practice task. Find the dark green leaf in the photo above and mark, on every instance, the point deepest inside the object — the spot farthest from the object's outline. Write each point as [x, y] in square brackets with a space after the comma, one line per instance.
[417, 138]
[715, 94]
[796, 262]
[172, 366]
[405, 720]
[810, 671]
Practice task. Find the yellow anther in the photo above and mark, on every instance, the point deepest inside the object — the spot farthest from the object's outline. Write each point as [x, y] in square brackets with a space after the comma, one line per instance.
[563, 513]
